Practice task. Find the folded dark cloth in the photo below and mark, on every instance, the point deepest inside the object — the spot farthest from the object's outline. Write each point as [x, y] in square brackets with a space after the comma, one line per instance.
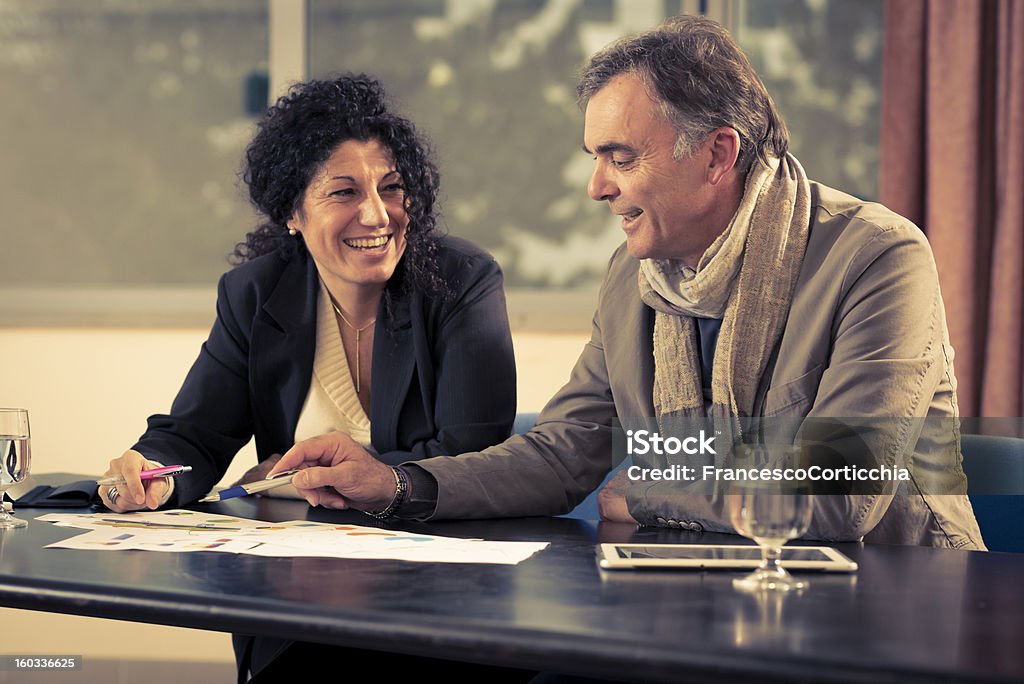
[73, 495]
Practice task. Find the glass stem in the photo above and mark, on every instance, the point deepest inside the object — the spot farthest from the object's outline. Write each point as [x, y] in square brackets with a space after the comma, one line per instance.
[773, 559]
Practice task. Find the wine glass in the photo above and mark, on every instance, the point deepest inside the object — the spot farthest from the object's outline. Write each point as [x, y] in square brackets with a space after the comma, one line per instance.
[15, 456]
[771, 513]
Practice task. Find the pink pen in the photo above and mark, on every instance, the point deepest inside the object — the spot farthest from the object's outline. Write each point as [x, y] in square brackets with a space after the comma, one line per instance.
[165, 471]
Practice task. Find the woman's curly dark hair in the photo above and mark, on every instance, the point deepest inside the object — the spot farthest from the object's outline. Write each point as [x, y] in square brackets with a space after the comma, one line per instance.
[301, 131]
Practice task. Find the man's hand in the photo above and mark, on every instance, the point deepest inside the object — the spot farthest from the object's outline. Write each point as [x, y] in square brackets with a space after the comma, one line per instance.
[611, 501]
[338, 473]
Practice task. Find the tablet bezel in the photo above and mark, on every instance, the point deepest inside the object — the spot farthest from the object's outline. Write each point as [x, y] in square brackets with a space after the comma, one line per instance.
[609, 559]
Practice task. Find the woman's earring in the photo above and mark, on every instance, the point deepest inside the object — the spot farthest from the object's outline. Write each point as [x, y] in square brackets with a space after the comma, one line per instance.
[292, 232]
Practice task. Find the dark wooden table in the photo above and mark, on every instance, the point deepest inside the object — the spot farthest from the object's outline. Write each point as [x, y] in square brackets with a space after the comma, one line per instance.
[909, 614]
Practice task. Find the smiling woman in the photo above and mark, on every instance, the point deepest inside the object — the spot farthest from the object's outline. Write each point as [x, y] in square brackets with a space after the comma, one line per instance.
[345, 280]
[353, 222]
[346, 313]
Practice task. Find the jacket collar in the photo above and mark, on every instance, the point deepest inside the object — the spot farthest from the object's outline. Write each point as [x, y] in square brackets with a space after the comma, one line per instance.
[292, 304]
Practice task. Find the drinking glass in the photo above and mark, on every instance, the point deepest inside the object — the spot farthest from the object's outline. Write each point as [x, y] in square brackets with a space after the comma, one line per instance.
[15, 456]
[771, 513]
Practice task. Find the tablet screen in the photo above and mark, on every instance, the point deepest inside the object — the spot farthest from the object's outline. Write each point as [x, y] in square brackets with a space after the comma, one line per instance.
[725, 553]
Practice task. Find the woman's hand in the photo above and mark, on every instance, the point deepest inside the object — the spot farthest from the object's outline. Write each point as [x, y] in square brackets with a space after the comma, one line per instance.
[338, 473]
[135, 494]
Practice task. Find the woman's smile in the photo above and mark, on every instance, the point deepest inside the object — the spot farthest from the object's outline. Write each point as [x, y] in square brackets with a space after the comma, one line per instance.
[374, 244]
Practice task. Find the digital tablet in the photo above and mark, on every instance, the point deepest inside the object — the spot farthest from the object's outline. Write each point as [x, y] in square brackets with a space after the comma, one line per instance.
[718, 556]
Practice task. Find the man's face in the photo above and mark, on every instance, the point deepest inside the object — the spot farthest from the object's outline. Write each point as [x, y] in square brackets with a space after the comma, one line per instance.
[665, 203]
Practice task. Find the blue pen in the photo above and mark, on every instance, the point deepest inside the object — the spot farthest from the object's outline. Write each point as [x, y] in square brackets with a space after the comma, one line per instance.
[248, 488]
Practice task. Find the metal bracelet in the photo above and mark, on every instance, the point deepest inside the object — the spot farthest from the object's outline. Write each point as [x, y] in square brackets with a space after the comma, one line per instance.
[401, 490]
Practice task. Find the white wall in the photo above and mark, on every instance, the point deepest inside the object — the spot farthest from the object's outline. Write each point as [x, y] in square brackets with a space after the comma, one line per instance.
[89, 392]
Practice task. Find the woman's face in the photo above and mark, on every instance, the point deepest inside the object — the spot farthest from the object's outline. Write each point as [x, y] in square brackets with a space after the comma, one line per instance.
[353, 217]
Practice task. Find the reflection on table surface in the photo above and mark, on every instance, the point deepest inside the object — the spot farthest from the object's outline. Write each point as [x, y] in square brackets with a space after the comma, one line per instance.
[909, 612]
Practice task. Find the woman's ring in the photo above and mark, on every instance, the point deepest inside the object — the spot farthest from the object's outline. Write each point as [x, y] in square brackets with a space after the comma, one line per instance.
[112, 494]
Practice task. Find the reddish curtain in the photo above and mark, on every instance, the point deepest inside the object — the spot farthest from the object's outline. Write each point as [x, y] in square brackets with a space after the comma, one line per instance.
[953, 162]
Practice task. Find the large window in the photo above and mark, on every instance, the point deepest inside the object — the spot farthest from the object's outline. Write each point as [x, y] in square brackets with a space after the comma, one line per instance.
[125, 121]
[124, 124]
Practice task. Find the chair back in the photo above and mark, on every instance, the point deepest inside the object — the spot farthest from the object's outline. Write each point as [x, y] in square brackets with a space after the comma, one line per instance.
[995, 485]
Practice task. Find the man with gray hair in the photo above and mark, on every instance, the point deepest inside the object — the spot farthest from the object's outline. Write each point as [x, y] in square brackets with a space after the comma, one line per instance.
[743, 290]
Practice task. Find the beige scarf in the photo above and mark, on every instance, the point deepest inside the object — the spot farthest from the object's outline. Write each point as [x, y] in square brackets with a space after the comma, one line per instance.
[747, 277]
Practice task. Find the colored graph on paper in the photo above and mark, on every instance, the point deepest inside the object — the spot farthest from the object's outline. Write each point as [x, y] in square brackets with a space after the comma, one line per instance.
[181, 531]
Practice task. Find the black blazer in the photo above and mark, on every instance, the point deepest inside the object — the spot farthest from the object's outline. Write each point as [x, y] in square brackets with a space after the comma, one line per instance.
[443, 379]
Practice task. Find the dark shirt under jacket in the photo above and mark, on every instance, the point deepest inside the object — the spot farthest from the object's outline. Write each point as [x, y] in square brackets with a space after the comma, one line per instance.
[443, 371]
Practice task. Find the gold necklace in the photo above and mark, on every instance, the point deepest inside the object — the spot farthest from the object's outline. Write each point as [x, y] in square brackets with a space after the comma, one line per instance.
[359, 331]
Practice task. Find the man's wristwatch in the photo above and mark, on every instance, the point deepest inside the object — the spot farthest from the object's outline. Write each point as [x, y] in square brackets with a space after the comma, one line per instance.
[401, 491]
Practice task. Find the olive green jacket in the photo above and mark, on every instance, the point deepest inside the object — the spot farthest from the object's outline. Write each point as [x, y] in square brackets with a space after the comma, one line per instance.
[866, 337]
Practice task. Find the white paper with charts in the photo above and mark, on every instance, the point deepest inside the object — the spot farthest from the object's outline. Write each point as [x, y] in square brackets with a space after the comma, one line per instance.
[183, 531]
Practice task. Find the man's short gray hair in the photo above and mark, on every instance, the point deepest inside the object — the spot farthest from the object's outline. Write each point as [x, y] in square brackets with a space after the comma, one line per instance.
[703, 81]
